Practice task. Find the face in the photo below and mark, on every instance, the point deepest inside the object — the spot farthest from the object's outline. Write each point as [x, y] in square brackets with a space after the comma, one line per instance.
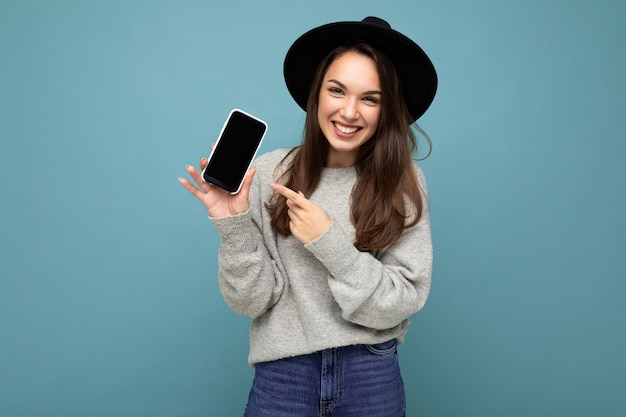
[349, 106]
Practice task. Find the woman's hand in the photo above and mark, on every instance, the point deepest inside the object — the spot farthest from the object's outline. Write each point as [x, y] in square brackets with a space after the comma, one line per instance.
[217, 201]
[308, 221]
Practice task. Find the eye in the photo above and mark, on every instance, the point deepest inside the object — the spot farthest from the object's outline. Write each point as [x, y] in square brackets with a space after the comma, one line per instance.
[371, 99]
[335, 90]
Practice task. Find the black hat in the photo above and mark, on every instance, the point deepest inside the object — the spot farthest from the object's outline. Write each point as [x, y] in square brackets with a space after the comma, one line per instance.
[415, 70]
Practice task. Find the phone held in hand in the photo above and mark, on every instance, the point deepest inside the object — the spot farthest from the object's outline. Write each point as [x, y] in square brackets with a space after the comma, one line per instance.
[234, 151]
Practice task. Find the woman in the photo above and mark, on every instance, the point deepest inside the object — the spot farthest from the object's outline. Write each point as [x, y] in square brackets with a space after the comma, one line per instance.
[327, 246]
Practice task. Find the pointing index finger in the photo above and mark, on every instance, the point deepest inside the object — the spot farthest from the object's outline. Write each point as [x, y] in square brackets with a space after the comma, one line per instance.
[288, 193]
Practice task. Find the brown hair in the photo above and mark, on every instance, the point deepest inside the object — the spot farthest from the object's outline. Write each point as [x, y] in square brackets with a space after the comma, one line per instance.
[386, 198]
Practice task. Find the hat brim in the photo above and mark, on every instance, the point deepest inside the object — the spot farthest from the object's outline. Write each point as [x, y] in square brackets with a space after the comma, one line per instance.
[415, 70]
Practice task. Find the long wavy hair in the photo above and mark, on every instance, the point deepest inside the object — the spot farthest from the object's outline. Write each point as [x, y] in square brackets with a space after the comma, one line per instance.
[386, 198]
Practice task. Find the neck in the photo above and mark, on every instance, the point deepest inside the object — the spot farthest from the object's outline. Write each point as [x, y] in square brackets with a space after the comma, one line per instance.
[340, 159]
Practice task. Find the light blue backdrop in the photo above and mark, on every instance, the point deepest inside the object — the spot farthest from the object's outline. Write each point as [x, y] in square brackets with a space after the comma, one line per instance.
[109, 304]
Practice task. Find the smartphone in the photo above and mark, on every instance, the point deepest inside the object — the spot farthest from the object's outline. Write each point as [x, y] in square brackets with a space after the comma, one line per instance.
[234, 151]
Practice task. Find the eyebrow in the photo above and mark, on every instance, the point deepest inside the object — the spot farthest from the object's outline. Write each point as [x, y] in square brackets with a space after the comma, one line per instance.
[342, 85]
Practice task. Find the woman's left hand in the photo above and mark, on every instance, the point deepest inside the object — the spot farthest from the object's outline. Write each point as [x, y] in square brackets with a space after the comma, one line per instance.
[308, 221]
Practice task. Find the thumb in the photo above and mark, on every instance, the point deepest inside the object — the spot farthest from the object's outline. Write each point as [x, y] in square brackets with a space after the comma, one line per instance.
[247, 182]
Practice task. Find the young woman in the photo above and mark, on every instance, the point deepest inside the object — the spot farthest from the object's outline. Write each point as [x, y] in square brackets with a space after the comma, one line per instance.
[327, 246]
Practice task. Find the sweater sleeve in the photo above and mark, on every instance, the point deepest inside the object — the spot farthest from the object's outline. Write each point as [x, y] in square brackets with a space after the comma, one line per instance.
[378, 292]
[248, 277]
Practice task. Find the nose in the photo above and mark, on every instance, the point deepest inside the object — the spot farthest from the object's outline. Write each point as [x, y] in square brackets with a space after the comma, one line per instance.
[350, 109]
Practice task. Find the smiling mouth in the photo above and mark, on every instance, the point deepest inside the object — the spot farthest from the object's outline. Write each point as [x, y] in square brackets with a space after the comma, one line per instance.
[345, 129]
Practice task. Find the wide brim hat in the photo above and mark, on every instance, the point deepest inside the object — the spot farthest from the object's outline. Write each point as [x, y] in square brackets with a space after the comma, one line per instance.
[415, 70]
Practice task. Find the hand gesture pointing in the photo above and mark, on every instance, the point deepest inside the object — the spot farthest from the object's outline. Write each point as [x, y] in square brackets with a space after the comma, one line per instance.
[307, 220]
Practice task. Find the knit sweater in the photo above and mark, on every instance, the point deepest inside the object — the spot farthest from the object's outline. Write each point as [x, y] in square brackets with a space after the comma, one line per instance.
[308, 297]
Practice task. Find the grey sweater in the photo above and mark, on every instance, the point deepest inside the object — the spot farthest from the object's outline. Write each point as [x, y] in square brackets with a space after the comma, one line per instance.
[306, 298]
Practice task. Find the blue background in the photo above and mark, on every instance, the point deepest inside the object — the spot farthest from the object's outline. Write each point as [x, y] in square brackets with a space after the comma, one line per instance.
[109, 304]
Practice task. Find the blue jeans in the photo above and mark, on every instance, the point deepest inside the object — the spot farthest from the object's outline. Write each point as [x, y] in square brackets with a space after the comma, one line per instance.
[359, 381]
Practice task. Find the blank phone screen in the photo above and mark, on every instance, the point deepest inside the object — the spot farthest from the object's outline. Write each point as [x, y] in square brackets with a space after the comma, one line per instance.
[234, 151]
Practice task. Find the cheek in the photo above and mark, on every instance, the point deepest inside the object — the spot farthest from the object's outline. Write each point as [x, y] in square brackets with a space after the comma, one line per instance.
[322, 105]
[373, 118]
[323, 111]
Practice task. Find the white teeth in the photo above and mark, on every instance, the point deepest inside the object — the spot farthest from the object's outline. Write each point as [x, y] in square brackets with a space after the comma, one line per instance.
[344, 129]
